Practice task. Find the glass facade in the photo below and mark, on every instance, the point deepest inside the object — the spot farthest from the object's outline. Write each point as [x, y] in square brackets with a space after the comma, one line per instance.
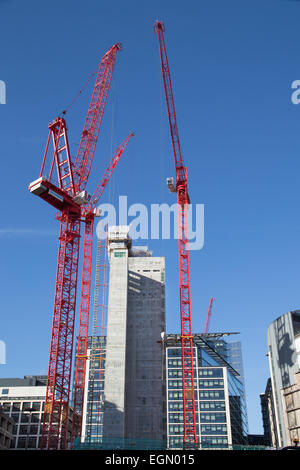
[92, 429]
[220, 411]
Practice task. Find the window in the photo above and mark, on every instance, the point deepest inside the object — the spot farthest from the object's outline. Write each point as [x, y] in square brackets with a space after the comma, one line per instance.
[211, 395]
[94, 430]
[21, 443]
[212, 417]
[175, 395]
[211, 383]
[174, 373]
[5, 391]
[32, 442]
[213, 429]
[24, 417]
[36, 405]
[174, 384]
[33, 429]
[13, 443]
[6, 406]
[175, 442]
[175, 405]
[15, 417]
[23, 429]
[175, 417]
[96, 418]
[212, 406]
[35, 418]
[174, 363]
[94, 396]
[214, 442]
[176, 429]
[174, 352]
[213, 372]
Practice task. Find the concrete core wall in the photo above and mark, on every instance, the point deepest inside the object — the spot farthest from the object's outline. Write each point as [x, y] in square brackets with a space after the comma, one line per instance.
[134, 390]
[115, 369]
[145, 323]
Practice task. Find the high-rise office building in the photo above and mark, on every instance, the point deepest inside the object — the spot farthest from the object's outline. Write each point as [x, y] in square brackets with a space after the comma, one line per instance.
[221, 418]
[284, 361]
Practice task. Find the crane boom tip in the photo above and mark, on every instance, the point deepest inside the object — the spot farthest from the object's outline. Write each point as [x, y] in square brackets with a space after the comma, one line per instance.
[159, 25]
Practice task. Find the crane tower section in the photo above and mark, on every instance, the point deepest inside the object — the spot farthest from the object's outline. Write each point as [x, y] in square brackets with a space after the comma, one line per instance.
[181, 187]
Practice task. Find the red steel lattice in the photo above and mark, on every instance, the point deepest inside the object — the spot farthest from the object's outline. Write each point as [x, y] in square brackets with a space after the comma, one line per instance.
[190, 434]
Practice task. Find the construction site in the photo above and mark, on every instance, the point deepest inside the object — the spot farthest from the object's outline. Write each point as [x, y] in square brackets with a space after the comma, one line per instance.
[149, 230]
[121, 381]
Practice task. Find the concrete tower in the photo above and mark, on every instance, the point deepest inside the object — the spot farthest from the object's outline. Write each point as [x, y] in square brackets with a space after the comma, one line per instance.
[134, 390]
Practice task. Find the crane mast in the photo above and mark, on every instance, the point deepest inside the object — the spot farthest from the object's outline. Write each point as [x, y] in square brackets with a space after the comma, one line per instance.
[181, 188]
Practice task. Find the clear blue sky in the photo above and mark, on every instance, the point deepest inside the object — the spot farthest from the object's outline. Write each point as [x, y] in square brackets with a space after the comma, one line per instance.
[232, 66]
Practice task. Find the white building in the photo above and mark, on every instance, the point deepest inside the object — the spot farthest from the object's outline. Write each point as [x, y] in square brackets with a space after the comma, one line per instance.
[23, 400]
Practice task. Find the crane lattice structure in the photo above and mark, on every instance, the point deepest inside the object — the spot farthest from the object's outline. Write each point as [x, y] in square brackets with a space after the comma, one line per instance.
[75, 206]
[181, 188]
[208, 315]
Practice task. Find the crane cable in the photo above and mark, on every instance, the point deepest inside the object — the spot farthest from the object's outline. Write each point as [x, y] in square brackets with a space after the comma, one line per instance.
[79, 92]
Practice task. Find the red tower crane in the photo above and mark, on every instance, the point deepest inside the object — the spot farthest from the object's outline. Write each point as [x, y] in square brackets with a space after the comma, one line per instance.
[208, 315]
[74, 205]
[181, 187]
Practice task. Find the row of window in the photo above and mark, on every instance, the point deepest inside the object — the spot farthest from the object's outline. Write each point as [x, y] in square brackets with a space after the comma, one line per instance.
[94, 407]
[97, 375]
[94, 418]
[202, 383]
[207, 373]
[25, 406]
[202, 394]
[94, 430]
[206, 443]
[175, 370]
[26, 417]
[23, 429]
[206, 429]
[96, 365]
[206, 405]
[28, 442]
[214, 418]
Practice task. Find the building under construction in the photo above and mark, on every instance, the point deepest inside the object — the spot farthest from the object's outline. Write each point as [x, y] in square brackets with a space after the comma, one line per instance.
[130, 401]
